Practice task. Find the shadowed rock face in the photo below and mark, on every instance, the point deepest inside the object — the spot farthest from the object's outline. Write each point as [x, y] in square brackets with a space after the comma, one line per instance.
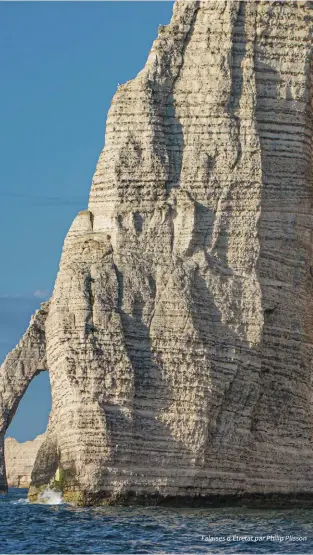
[179, 333]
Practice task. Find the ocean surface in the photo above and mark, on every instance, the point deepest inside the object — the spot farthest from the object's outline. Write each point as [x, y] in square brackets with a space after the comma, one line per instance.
[55, 527]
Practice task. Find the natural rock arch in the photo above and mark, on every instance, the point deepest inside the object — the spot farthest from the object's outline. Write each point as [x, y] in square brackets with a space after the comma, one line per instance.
[180, 334]
[19, 368]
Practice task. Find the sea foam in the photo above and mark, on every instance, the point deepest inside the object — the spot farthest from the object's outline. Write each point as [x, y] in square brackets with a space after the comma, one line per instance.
[20, 501]
[50, 497]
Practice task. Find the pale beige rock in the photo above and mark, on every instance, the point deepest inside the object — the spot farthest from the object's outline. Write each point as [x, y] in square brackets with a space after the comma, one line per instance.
[19, 368]
[179, 334]
[19, 460]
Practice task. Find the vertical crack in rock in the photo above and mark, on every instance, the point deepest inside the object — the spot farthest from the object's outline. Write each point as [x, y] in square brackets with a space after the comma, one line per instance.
[174, 180]
[237, 56]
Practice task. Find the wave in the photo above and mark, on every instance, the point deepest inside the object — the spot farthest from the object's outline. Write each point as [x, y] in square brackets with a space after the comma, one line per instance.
[20, 501]
[50, 497]
[47, 497]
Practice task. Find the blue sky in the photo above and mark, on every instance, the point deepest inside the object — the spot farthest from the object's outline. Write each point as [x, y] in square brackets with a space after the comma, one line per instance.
[60, 63]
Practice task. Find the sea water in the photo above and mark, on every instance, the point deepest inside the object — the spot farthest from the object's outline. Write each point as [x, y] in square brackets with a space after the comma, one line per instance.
[54, 527]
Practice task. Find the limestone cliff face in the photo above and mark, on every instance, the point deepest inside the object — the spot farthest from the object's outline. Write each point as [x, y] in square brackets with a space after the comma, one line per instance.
[179, 334]
[19, 460]
[19, 368]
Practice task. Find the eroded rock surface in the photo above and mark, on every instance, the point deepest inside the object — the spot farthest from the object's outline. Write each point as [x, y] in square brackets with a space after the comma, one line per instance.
[179, 334]
[18, 369]
[20, 459]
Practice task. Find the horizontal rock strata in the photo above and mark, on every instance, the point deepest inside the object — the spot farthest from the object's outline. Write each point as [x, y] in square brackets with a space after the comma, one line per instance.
[179, 334]
[20, 459]
[19, 368]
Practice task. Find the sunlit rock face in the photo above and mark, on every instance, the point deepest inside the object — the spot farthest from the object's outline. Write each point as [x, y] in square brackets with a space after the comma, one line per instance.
[21, 365]
[20, 459]
[179, 333]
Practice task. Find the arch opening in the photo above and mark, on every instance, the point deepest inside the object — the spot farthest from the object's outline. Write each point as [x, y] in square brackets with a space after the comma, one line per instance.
[20, 367]
[26, 431]
[32, 414]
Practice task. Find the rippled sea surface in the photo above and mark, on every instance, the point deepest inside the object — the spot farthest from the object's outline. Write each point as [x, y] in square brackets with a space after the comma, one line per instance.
[61, 528]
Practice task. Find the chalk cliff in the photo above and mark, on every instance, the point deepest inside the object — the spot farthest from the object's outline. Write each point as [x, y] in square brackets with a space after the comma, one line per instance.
[19, 460]
[19, 368]
[179, 334]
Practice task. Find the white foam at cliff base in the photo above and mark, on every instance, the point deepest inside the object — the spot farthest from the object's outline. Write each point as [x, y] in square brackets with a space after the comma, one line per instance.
[50, 497]
[20, 501]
